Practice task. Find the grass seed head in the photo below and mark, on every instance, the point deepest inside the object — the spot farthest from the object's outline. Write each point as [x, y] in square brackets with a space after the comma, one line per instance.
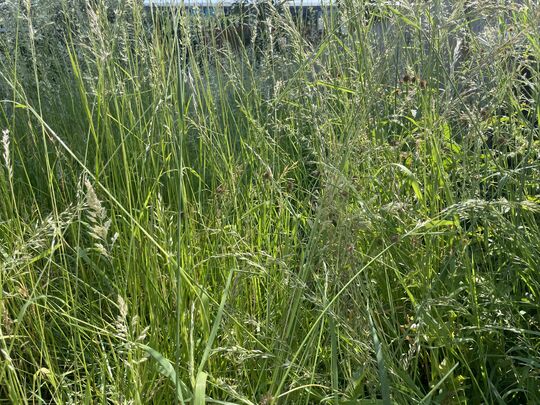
[6, 147]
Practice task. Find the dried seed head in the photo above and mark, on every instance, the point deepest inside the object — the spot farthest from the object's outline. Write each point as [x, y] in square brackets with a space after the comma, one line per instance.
[266, 399]
[290, 185]
[406, 78]
[221, 189]
[268, 174]
[484, 113]
[7, 321]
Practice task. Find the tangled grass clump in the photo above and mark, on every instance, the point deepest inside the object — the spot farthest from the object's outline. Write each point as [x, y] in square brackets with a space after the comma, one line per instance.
[199, 213]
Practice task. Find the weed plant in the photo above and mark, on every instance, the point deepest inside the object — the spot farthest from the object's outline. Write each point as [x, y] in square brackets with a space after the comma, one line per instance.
[193, 212]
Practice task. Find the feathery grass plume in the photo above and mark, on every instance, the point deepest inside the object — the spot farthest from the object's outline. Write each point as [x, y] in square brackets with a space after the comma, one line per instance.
[42, 236]
[6, 153]
[96, 211]
[121, 320]
[99, 224]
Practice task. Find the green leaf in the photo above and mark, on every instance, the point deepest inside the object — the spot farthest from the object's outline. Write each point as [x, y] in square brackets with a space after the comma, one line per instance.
[441, 223]
[199, 395]
[427, 398]
[215, 327]
[335, 87]
[404, 18]
[383, 375]
[167, 369]
[412, 181]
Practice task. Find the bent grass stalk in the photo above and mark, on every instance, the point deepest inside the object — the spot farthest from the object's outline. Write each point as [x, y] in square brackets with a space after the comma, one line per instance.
[192, 219]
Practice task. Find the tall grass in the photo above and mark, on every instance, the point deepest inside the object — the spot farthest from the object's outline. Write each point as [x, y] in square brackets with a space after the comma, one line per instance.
[196, 213]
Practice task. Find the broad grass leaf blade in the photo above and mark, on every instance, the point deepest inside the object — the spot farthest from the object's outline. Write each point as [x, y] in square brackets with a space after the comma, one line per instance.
[215, 326]
[385, 386]
[436, 387]
[167, 369]
[412, 181]
[334, 359]
[404, 18]
[199, 394]
[335, 87]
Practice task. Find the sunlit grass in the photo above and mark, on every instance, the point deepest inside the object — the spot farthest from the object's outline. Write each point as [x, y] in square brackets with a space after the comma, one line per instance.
[198, 213]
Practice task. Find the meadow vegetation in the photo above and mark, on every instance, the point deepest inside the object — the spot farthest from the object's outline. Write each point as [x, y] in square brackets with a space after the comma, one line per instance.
[193, 212]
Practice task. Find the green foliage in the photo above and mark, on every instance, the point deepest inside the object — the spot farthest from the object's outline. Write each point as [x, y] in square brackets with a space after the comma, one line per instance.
[200, 210]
